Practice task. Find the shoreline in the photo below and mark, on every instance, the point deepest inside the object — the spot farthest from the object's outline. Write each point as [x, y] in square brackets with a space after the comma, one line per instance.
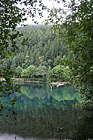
[27, 81]
[59, 83]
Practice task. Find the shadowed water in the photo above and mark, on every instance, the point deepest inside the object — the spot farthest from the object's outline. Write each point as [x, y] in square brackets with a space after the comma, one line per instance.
[45, 112]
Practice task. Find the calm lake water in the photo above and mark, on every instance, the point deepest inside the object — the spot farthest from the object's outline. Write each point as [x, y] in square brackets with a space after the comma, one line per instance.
[44, 112]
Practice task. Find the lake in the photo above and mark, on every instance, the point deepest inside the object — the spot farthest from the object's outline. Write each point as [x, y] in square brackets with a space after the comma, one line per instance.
[45, 112]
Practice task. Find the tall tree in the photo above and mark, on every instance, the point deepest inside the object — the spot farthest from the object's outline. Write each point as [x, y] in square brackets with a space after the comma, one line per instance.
[18, 71]
[74, 25]
[10, 16]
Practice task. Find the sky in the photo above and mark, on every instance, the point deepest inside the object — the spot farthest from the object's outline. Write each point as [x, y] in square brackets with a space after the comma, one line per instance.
[50, 4]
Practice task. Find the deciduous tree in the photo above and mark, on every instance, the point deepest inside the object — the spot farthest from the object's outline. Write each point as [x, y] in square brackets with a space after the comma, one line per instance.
[75, 28]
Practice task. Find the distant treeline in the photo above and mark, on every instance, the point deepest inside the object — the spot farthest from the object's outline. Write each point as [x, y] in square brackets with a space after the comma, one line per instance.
[38, 55]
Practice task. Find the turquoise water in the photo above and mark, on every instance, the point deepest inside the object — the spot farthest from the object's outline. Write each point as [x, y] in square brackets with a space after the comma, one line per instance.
[45, 112]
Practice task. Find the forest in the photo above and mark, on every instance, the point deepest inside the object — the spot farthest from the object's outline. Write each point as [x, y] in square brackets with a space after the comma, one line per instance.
[38, 55]
[64, 53]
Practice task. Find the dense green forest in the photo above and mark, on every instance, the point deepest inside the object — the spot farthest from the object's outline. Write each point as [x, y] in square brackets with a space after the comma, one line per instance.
[41, 50]
[38, 55]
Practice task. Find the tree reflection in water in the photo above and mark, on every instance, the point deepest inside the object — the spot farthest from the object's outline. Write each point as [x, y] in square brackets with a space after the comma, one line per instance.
[46, 114]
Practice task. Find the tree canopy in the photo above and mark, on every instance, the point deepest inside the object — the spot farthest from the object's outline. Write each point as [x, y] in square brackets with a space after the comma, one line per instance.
[74, 27]
[10, 16]
[76, 31]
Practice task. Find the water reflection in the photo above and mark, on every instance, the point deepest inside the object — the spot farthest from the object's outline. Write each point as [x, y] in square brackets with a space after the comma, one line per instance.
[13, 137]
[45, 114]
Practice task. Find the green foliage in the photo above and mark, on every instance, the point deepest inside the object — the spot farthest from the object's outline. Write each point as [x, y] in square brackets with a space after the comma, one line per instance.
[32, 70]
[18, 71]
[42, 49]
[43, 46]
[10, 16]
[57, 60]
[29, 72]
[41, 71]
[24, 73]
[49, 72]
[57, 72]
[60, 73]
[66, 73]
[76, 31]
